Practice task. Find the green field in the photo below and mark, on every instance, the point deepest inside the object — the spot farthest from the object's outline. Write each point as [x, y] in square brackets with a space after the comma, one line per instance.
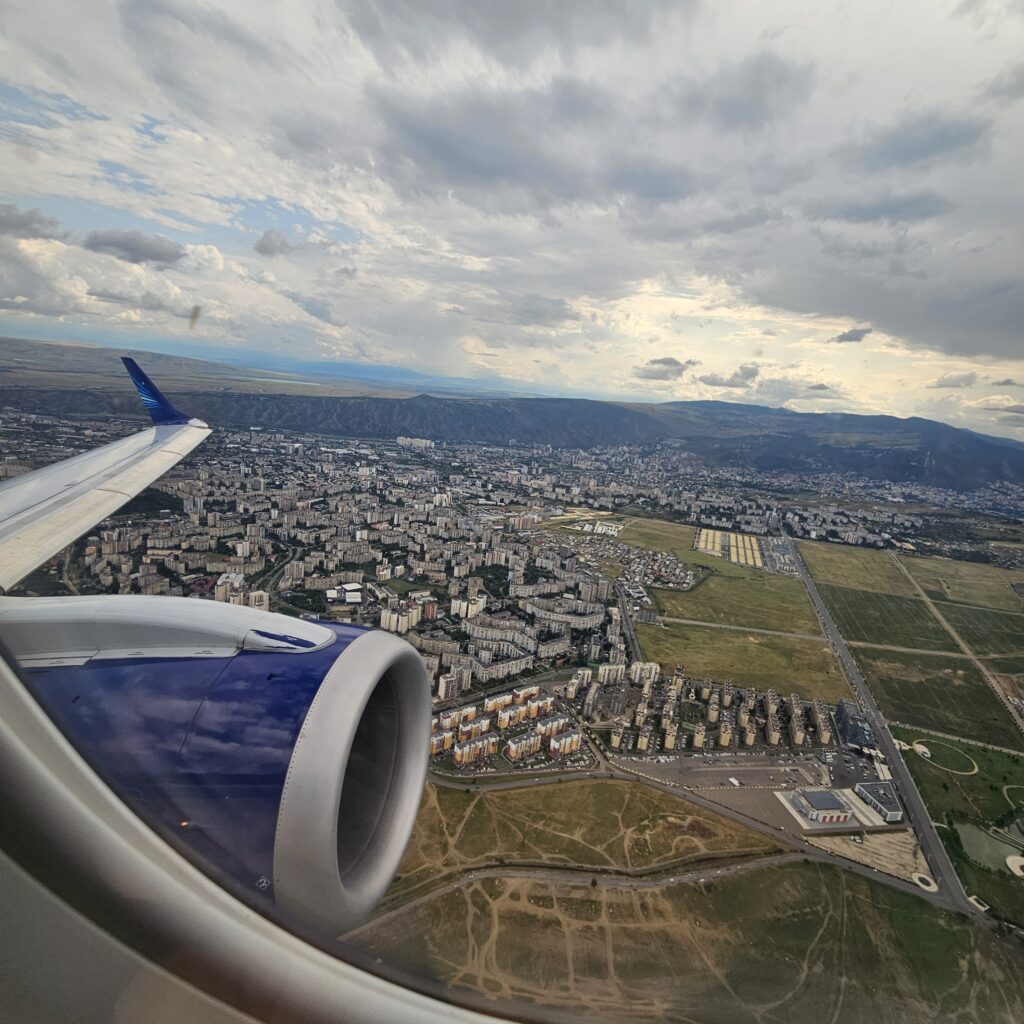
[762, 600]
[937, 692]
[984, 631]
[859, 568]
[789, 665]
[967, 582]
[991, 796]
[797, 942]
[876, 618]
[597, 824]
[1011, 673]
[655, 535]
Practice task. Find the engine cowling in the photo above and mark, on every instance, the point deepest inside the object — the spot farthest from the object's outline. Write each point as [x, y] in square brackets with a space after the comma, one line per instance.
[289, 756]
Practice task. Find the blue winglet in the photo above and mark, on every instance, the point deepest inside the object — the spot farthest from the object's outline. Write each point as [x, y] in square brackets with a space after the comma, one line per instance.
[160, 410]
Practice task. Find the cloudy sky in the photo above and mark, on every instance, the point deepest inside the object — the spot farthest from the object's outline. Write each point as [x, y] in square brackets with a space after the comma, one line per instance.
[812, 204]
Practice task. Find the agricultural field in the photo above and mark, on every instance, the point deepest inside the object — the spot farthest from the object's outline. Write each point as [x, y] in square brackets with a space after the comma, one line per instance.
[894, 621]
[761, 600]
[598, 824]
[933, 691]
[966, 786]
[984, 631]
[966, 582]
[806, 667]
[859, 568]
[793, 942]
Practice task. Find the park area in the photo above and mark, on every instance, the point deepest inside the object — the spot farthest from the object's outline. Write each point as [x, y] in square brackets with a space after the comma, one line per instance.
[963, 785]
[787, 664]
[947, 694]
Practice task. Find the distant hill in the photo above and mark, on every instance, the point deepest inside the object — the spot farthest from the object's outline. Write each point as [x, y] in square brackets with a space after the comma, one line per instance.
[720, 433]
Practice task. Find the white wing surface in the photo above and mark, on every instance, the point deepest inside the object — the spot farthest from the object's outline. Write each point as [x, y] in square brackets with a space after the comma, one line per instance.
[44, 511]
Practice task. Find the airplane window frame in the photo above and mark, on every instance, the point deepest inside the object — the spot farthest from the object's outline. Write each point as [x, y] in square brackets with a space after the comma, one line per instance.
[110, 866]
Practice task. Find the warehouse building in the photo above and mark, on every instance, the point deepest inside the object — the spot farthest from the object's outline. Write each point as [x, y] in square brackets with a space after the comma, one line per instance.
[822, 806]
[882, 797]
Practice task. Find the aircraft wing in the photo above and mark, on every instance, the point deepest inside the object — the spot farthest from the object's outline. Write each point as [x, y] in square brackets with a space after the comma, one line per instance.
[44, 511]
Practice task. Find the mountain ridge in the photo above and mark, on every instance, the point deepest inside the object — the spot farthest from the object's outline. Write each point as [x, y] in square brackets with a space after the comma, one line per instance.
[913, 449]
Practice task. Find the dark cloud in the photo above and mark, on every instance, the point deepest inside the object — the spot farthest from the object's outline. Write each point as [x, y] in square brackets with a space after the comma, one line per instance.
[742, 221]
[918, 138]
[512, 32]
[174, 38]
[914, 206]
[742, 377]
[650, 180]
[818, 387]
[852, 335]
[664, 368]
[749, 94]
[27, 223]
[273, 243]
[1008, 85]
[1007, 382]
[539, 310]
[134, 246]
[955, 380]
[1015, 410]
[506, 149]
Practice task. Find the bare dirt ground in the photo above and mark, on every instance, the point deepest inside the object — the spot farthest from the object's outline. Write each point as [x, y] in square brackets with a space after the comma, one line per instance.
[895, 853]
[793, 943]
[589, 824]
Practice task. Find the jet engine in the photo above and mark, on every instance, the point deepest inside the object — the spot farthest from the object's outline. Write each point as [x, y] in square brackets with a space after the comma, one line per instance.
[288, 756]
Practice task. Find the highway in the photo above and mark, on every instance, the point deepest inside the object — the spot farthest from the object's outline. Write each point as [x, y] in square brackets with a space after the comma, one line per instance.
[635, 654]
[931, 845]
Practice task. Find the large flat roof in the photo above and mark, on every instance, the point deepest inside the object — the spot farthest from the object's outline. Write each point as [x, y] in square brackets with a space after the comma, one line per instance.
[823, 800]
[883, 792]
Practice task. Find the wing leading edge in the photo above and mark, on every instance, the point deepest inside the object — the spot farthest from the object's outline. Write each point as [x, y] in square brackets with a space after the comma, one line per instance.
[44, 511]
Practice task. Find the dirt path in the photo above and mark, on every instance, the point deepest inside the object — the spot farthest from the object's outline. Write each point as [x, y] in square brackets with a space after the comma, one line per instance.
[988, 676]
[903, 650]
[742, 629]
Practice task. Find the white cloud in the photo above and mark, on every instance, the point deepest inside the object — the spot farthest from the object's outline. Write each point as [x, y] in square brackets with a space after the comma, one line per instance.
[530, 190]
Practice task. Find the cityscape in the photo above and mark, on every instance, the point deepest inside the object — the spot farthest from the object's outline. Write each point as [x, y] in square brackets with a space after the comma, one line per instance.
[512, 510]
[615, 617]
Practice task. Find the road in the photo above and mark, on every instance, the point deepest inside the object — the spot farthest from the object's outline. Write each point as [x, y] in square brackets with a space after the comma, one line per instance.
[977, 662]
[632, 642]
[939, 864]
[943, 898]
[65, 569]
[581, 876]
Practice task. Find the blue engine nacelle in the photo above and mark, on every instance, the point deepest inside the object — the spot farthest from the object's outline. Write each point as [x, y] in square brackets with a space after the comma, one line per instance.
[285, 754]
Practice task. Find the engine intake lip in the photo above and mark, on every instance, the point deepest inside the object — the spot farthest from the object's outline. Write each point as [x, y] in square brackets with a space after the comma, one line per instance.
[354, 784]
